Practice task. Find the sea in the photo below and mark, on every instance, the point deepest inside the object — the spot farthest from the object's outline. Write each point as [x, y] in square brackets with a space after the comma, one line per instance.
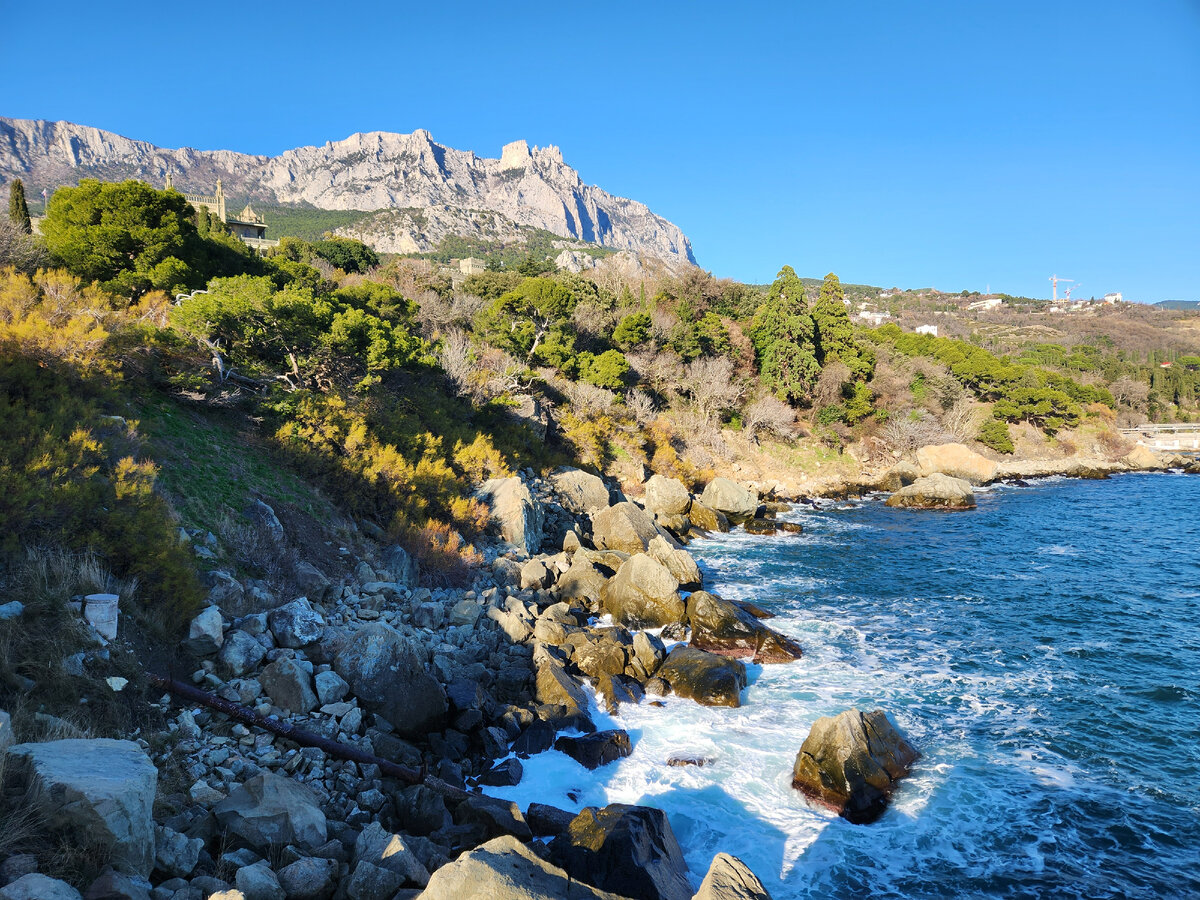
[1042, 652]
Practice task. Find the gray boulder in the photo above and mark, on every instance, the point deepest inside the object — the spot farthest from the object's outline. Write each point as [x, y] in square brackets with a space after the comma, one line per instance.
[643, 594]
[263, 516]
[707, 678]
[258, 882]
[725, 628]
[383, 863]
[331, 687]
[851, 762]
[579, 491]
[679, 563]
[515, 512]
[625, 527]
[295, 624]
[309, 878]
[729, 878]
[311, 582]
[388, 676]
[206, 632]
[241, 652]
[99, 793]
[667, 496]
[506, 869]
[271, 809]
[582, 582]
[729, 497]
[402, 566]
[175, 854]
[935, 491]
[289, 686]
[38, 887]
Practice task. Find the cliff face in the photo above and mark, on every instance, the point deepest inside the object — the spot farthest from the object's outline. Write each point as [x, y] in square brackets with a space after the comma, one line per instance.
[372, 171]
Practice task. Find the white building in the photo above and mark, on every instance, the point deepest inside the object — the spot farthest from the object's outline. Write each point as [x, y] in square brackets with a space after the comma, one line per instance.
[1113, 298]
[927, 329]
[989, 303]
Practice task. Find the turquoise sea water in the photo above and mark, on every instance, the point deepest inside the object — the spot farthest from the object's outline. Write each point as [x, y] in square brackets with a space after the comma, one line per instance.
[1043, 653]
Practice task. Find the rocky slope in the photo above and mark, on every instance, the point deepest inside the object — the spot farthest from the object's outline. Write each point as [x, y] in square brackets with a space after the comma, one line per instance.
[454, 191]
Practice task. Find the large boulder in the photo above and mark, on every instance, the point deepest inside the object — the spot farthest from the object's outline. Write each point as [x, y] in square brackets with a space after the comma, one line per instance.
[97, 793]
[851, 762]
[667, 496]
[679, 563]
[625, 527]
[514, 510]
[727, 629]
[643, 594]
[289, 686]
[705, 677]
[582, 582]
[206, 632]
[296, 624]
[383, 863]
[729, 878]
[387, 674]
[596, 749]
[729, 497]
[34, 886]
[705, 518]
[580, 492]
[555, 686]
[630, 850]
[1142, 457]
[934, 492]
[272, 810]
[506, 869]
[956, 461]
[241, 652]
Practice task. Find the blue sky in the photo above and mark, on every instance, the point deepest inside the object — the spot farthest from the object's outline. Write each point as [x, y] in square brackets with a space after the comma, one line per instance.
[956, 145]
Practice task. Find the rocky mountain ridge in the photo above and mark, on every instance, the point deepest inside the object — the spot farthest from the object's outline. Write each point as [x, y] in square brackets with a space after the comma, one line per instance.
[366, 171]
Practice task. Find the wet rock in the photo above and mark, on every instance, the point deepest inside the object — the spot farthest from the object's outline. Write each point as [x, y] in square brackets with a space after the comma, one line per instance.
[296, 624]
[539, 736]
[289, 686]
[643, 594]
[548, 820]
[494, 817]
[97, 793]
[597, 749]
[206, 632]
[503, 774]
[722, 627]
[681, 760]
[729, 878]
[707, 678]
[934, 492]
[851, 762]
[705, 518]
[629, 850]
[667, 496]
[579, 491]
[729, 497]
[760, 526]
[515, 512]
[272, 809]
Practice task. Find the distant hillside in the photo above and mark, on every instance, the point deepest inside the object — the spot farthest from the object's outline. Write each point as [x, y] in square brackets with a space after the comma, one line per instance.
[445, 191]
[1179, 304]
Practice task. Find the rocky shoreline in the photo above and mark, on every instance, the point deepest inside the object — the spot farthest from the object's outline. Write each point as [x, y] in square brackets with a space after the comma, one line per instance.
[588, 594]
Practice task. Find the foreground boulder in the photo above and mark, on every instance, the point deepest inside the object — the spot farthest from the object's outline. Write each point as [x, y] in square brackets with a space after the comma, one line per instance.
[707, 678]
[851, 762]
[97, 793]
[580, 492]
[643, 594]
[629, 850]
[1142, 457]
[680, 563]
[934, 492]
[273, 810]
[729, 878]
[957, 461]
[667, 496]
[388, 676]
[514, 511]
[729, 497]
[506, 869]
[705, 518]
[625, 527]
[38, 887]
[722, 627]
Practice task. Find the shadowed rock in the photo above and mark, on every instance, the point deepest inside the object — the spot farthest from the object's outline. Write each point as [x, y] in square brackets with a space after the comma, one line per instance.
[707, 678]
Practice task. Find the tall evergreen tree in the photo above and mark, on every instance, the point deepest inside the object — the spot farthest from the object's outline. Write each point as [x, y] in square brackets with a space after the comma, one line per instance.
[18, 209]
[835, 334]
[784, 339]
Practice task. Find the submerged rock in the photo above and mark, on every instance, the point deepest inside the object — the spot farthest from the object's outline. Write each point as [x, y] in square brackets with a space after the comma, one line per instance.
[851, 762]
[934, 492]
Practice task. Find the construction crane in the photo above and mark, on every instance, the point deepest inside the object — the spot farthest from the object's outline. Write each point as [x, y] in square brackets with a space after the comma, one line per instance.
[1054, 280]
[1067, 292]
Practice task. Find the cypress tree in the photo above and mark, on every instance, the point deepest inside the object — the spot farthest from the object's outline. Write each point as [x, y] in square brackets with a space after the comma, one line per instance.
[18, 209]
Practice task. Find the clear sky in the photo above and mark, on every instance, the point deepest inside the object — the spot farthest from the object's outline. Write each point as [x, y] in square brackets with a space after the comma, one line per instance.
[958, 145]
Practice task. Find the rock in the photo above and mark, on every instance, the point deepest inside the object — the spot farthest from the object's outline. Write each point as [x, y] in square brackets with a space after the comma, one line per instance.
[331, 687]
[516, 513]
[507, 773]
[6, 732]
[206, 632]
[273, 809]
[678, 562]
[667, 496]
[376, 848]
[241, 652]
[555, 686]
[421, 810]
[26, 863]
[705, 518]
[629, 850]
[597, 653]
[722, 627]
[263, 516]
[296, 624]
[388, 676]
[582, 582]
[548, 820]
[956, 461]
[311, 582]
[11, 610]
[934, 492]
[643, 594]
[289, 686]
[729, 497]
[401, 564]
[851, 762]
[538, 736]
[258, 882]
[729, 878]
[760, 526]
[596, 749]
[534, 574]
[495, 817]
[506, 869]
[175, 854]
[648, 649]
[682, 760]
[465, 612]
[579, 491]
[625, 527]
[112, 885]
[39, 887]
[309, 878]
[1142, 457]
[708, 679]
[98, 793]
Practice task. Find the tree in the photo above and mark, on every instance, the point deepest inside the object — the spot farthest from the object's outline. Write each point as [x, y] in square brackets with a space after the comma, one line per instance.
[711, 383]
[784, 339]
[18, 209]
[632, 330]
[537, 311]
[768, 413]
[608, 370]
[346, 254]
[835, 334]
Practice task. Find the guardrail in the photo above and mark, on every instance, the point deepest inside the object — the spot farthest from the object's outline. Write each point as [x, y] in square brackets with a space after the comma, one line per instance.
[1174, 428]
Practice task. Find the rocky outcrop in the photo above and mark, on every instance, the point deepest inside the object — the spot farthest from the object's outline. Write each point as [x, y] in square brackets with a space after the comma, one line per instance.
[1143, 458]
[729, 878]
[578, 491]
[851, 762]
[957, 461]
[271, 810]
[934, 492]
[515, 512]
[643, 594]
[705, 677]
[730, 498]
[625, 527]
[667, 496]
[726, 629]
[98, 793]
[629, 850]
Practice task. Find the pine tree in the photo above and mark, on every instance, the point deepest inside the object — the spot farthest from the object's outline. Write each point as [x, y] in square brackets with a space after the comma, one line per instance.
[835, 334]
[784, 339]
[18, 209]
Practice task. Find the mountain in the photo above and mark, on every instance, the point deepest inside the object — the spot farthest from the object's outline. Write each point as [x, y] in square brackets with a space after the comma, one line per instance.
[440, 190]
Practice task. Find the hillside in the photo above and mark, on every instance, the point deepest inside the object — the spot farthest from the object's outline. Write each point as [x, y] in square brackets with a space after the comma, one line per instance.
[443, 190]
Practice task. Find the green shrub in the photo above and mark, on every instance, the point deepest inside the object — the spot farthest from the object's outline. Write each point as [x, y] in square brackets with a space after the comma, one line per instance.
[994, 433]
